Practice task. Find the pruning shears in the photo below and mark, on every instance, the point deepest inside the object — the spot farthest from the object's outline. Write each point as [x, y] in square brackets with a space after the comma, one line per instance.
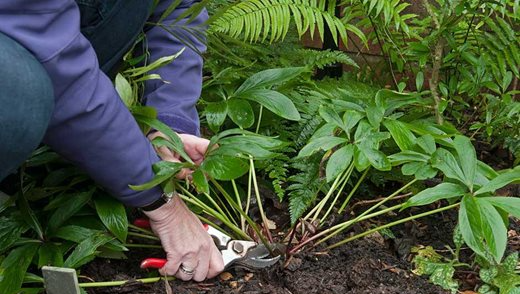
[242, 253]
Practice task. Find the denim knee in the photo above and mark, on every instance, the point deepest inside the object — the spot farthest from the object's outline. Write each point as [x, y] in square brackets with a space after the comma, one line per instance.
[26, 104]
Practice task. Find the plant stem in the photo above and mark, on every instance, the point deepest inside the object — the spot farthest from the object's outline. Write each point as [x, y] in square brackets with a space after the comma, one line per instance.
[361, 179]
[143, 236]
[357, 219]
[259, 118]
[239, 202]
[259, 200]
[119, 283]
[392, 224]
[214, 213]
[317, 209]
[144, 231]
[347, 223]
[248, 201]
[143, 246]
[344, 183]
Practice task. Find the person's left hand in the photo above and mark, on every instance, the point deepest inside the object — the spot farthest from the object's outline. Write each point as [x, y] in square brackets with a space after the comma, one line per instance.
[194, 146]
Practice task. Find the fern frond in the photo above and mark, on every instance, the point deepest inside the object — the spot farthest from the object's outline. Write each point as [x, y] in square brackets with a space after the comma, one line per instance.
[305, 186]
[391, 12]
[259, 20]
[322, 58]
[502, 47]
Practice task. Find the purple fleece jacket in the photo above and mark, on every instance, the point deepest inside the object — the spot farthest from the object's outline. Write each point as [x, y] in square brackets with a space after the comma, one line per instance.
[91, 126]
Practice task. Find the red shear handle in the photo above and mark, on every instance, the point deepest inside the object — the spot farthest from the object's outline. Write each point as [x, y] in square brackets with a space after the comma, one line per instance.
[153, 263]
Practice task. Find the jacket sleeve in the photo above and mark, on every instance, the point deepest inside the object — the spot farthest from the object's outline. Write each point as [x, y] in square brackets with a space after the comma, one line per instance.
[175, 100]
[90, 125]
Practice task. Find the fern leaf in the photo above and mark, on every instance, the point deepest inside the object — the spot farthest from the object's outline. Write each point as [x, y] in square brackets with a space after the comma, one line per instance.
[257, 20]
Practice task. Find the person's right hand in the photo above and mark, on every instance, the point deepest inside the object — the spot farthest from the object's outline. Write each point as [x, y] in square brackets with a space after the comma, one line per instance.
[185, 242]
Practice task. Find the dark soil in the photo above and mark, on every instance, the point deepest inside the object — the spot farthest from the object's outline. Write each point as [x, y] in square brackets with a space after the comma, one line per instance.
[369, 265]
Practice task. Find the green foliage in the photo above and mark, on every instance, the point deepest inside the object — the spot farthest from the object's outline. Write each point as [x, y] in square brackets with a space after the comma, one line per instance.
[428, 262]
[257, 20]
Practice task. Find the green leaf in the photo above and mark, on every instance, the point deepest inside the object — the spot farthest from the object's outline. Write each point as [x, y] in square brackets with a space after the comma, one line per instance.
[494, 229]
[411, 168]
[500, 181]
[113, 215]
[10, 231]
[425, 172]
[339, 161]
[200, 181]
[177, 144]
[376, 158]
[440, 273]
[29, 216]
[350, 120]
[402, 136]
[430, 195]
[216, 114]
[443, 160]
[124, 90]
[50, 254]
[68, 209]
[509, 204]
[269, 77]
[321, 143]
[241, 113]
[14, 266]
[427, 143]
[467, 159]
[408, 156]
[86, 250]
[375, 115]
[361, 162]
[75, 233]
[419, 81]
[276, 102]
[164, 170]
[470, 225]
[224, 168]
[331, 116]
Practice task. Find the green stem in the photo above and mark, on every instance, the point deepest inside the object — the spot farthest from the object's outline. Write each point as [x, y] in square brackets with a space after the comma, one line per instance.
[143, 246]
[248, 219]
[321, 204]
[392, 224]
[119, 283]
[144, 231]
[259, 118]
[347, 223]
[343, 182]
[239, 202]
[248, 201]
[361, 179]
[358, 218]
[143, 236]
[214, 213]
[259, 200]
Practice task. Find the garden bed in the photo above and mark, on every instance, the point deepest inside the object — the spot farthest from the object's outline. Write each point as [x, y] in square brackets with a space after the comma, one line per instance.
[373, 264]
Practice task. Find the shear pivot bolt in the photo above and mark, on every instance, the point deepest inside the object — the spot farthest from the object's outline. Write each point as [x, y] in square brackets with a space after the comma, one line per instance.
[238, 248]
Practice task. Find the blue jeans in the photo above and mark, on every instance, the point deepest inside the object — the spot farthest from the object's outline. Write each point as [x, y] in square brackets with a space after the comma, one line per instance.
[26, 95]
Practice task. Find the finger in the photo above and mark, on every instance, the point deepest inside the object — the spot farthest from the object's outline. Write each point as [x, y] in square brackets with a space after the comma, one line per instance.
[188, 266]
[171, 267]
[216, 263]
[166, 154]
[202, 269]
